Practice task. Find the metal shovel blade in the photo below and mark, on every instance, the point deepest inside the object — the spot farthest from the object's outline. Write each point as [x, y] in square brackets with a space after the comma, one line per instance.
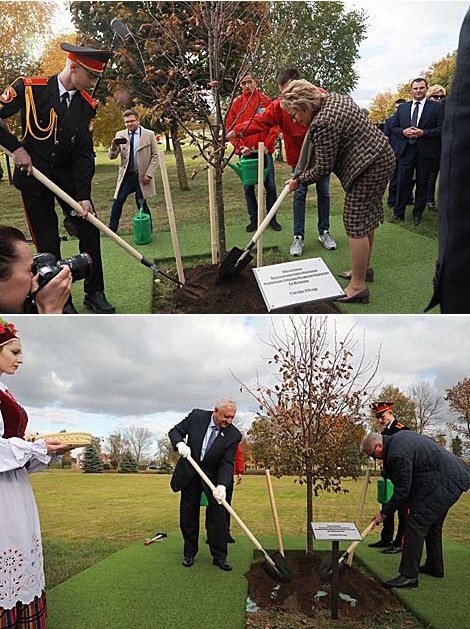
[280, 571]
[229, 267]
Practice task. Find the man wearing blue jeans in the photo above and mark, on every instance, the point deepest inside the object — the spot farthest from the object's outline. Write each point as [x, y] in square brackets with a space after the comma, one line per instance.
[323, 201]
[271, 194]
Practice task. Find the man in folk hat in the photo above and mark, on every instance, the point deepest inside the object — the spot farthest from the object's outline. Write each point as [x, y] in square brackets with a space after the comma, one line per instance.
[57, 116]
[383, 412]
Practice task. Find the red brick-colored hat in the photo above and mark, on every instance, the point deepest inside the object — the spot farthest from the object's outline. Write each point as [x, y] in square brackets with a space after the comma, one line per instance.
[380, 407]
[94, 61]
[8, 332]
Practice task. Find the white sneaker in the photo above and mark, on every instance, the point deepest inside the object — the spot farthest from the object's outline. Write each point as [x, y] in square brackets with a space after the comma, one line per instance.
[297, 246]
[327, 241]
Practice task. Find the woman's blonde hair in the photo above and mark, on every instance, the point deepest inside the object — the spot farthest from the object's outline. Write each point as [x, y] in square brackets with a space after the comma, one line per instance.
[300, 95]
[434, 89]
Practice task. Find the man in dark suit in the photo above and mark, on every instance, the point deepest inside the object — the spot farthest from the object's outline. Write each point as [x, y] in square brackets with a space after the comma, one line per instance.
[417, 125]
[211, 440]
[383, 412]
[429, 480]
[57, 117]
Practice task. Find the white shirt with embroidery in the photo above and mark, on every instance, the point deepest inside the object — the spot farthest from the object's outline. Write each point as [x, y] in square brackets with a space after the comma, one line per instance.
[21, 561]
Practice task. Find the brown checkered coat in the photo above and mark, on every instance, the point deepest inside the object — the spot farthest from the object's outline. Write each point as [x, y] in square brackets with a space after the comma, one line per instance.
[345, 142]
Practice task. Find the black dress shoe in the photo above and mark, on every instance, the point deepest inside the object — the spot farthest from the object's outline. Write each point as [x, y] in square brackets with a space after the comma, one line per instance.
[275, 225]
[251, 227]
[222, 564]
[416, 221]
[396, 219]
[402, 582]
[392, 550]
[362, 297]
[425, 570]
[98, 303]
[230, 540]
[380, 544]
[188, 562]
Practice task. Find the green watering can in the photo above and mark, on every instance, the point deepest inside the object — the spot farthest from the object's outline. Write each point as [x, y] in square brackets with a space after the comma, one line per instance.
[142, 228]
[247, 170]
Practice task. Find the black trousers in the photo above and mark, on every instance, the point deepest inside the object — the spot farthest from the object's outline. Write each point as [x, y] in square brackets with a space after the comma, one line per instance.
[39, 205]
[388, 528]
[216, 522]
[416, 535]
[409, 162]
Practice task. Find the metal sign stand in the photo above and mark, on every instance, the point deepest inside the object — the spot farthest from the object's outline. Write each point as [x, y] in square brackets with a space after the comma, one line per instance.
[335, 531]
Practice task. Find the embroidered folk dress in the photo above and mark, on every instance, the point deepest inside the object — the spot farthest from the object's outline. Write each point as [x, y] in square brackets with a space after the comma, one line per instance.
[21, 561]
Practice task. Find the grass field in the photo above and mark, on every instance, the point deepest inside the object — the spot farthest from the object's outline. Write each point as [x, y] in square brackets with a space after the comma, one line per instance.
[86, 516]
[404, 256]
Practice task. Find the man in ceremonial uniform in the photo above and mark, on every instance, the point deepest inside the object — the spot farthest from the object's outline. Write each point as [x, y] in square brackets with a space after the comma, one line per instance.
[383, 412]
[57, 116]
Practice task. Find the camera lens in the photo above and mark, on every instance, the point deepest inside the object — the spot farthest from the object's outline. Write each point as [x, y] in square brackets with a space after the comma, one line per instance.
[79, 265]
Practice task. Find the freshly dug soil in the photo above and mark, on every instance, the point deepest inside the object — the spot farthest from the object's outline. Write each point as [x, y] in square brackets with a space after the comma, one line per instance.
[204, 293]
[306, 595]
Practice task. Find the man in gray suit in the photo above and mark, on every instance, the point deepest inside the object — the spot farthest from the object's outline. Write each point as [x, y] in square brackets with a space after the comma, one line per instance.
[211, 440]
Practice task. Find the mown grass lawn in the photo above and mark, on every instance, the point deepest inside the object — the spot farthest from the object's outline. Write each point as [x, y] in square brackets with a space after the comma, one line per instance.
[84, 517]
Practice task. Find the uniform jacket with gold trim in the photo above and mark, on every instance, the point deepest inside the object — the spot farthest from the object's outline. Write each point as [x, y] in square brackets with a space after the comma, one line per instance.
[60, 144]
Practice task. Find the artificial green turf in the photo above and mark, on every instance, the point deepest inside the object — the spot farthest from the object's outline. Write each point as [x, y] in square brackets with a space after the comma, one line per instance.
[147, 587]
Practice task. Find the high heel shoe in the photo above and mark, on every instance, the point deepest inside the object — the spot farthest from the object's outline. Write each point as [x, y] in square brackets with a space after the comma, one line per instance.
[361, 298]
[369, 275]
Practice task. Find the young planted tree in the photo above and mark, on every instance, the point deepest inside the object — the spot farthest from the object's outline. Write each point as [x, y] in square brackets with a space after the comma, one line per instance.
[92, 464]
[314, 412]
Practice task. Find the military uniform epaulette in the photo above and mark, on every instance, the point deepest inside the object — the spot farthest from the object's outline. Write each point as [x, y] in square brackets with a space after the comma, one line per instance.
[35, 80]
[400, 426]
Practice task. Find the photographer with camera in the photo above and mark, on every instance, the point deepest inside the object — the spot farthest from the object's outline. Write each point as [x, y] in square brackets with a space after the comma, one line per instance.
[19, 282]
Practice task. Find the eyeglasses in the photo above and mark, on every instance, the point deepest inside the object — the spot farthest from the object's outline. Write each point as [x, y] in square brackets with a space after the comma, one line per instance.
[438, 96]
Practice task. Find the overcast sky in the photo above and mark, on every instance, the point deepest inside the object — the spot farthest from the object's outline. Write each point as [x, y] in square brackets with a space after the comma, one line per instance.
[100, 374]
[403, 39]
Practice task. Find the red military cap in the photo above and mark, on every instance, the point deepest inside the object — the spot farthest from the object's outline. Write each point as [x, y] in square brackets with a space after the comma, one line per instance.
[94, 61]
[380, 407]
[8, 332]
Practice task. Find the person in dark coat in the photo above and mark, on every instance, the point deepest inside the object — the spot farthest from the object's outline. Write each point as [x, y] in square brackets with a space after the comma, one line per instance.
[428, 480]
[211, 440]
[57, 117]
[383, 412]
[451, 281]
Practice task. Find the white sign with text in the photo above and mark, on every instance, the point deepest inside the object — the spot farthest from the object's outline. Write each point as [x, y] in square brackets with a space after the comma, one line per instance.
[295, 283]
[346, 531]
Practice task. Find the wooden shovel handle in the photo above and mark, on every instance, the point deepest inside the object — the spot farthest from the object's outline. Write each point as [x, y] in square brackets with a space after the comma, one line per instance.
[274, 512]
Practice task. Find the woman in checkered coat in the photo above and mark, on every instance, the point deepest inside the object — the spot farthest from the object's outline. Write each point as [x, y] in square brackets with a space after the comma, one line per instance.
[341, 139]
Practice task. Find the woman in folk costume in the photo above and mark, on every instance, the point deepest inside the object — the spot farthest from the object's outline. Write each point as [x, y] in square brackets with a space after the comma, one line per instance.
[22, 598]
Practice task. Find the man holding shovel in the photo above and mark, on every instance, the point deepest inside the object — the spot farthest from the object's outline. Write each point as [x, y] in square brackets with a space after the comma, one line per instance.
[210, 438]
[428, 480]
[57, 117]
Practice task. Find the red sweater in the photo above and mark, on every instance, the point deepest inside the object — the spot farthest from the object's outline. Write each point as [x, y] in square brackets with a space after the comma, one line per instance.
[243, 110]
[273, 117]
[239, 463]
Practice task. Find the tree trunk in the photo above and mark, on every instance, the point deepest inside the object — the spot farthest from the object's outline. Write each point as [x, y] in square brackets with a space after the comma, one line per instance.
[219, 202]
[309, 513]
[167, 142]
[180, 167]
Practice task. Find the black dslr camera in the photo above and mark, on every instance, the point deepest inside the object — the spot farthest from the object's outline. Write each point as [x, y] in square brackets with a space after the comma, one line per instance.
[47, 266]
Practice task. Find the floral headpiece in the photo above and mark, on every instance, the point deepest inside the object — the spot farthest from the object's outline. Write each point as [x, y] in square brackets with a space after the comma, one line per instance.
[8, 332]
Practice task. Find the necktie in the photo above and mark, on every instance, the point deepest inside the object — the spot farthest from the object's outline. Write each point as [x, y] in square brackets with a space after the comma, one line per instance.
[414, 121]
[131, 154]
[64, 102]
[212, 437]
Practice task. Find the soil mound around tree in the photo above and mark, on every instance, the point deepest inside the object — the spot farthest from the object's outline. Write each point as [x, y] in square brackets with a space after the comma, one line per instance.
[360, 594]
[204, 293]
